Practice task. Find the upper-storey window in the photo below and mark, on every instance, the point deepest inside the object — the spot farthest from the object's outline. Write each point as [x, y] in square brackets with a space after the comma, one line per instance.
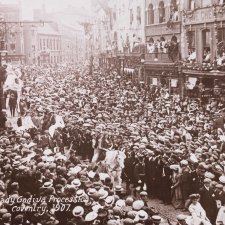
[150, 14]
[206, 51]
[139, 15]
[161, 12]
[191, 4]
[131, 16]
[206, 3]
[174, 14]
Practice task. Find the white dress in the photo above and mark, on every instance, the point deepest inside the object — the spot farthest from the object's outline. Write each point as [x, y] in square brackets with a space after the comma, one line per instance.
[198, 215]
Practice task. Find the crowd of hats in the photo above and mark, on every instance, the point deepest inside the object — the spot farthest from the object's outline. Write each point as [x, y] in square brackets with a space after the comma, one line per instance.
[146, 121]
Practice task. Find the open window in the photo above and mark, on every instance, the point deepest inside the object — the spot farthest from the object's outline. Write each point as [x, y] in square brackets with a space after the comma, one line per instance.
[206, 46]
[139, 15]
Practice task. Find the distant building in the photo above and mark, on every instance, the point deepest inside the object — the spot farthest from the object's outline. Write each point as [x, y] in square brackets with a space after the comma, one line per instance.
[127, 23]
[13, 37]
[42, 44]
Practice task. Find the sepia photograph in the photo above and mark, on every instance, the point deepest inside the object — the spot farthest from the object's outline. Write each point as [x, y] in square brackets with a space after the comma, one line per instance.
[112, 112]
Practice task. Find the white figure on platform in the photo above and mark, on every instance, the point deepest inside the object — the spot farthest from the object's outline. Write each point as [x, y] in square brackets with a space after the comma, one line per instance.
[198, 214]
[27, 123]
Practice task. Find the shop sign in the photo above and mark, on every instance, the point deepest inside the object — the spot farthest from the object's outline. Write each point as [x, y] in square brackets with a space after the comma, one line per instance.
[200, 16]
[207, 93]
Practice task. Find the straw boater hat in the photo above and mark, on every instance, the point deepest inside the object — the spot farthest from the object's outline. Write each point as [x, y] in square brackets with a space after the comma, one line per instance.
[78, 211]
[91, 216]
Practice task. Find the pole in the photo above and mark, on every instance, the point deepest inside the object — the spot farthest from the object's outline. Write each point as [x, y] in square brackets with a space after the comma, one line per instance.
[6, 43]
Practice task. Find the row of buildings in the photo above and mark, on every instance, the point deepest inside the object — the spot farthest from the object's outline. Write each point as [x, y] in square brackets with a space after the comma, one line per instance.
[179, 44]
[46, 39]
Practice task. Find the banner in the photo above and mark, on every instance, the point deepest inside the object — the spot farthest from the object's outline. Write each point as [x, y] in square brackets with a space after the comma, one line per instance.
[191, 82]
[174, 83]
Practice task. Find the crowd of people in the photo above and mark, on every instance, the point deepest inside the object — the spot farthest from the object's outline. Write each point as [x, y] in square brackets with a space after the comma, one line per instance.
[95, 148]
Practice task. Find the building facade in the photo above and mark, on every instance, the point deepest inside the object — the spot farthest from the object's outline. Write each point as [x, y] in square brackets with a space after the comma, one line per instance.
[163, 44]
[204, 49]
[12, 34]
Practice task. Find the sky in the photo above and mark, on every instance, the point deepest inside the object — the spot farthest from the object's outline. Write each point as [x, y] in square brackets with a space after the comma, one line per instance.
[50, 5]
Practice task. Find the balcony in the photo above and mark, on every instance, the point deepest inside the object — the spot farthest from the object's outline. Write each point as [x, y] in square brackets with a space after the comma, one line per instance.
[160, 58]
[161, 29]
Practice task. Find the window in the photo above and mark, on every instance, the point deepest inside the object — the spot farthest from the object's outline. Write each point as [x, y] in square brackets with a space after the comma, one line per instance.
[221, 41]
[191, 41]
[150, 14]
[53, 44]
[191, 4]
[206, 3]
[115, 36]
[50, 44]
[174, 14]
[40, 44]
[131, 16]
[161, 12]
[139, 15]
[43, 44]
[114, 16]
[12, 47]
[206, 45]
[174, 39]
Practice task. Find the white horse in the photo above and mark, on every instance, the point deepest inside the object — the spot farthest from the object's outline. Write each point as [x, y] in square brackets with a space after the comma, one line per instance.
[114, 161]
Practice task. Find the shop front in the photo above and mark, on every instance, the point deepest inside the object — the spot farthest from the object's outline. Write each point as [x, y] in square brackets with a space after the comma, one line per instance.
[205, 85]
[166, 76]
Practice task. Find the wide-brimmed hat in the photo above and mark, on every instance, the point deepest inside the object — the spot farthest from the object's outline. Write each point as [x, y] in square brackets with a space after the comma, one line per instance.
[91, 192]
[91, 216]
[138, 205]
[80, 193]
[109, 201]
[102, 193]
[76, 183]
[142, 215]
[47, 184]
[74, 170]
[121, 203]
[156, 219]
[78, 211]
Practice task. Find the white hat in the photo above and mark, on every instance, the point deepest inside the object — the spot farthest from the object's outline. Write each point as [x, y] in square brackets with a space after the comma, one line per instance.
[102, 193]
[121, 203]
[78, 211]
[222, 179]
[184, 162]
[76, 182]
[92, 191]
[91, 174]
[142, 215]
[80, 193]
[109, 201]
[47, 184]
[91, 216]
[74, 170]
[138, 205]
[102, 176]
[47, 152]
[209, 175]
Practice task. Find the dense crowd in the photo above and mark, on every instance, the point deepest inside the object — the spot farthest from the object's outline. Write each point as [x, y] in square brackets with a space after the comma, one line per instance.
[80, 137]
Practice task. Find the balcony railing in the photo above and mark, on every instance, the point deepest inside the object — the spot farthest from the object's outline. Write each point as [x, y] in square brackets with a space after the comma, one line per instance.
[160, 58]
